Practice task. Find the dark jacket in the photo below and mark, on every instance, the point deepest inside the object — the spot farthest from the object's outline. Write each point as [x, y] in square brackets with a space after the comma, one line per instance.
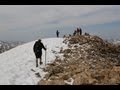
[57, 32]
[38, 47]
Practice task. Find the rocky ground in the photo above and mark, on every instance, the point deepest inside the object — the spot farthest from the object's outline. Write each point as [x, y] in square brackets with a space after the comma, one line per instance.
[88, 60]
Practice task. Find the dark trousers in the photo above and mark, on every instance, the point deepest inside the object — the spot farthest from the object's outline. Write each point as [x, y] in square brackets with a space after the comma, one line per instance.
[57, 35]
[38, 56]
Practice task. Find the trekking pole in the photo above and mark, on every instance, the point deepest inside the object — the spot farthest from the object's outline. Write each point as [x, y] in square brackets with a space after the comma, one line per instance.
[45, 55]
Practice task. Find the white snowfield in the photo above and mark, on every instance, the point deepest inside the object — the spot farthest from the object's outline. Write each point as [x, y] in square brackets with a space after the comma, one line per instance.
[16, 64]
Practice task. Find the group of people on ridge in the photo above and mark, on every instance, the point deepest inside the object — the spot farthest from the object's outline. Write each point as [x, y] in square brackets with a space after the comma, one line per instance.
[77, 32]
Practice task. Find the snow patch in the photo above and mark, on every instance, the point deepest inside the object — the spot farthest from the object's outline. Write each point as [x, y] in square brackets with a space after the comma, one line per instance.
[16, 64]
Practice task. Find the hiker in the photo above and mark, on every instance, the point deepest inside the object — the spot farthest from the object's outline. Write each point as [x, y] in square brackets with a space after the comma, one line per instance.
[38, 51]
[80, 31]
[74, 33]
[87, 34]
[57, 33]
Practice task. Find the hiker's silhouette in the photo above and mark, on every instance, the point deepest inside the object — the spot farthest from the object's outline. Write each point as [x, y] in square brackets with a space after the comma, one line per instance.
[57, 33]
[38, 51]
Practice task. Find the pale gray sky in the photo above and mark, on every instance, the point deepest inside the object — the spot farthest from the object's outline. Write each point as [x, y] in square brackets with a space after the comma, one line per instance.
[29, 22]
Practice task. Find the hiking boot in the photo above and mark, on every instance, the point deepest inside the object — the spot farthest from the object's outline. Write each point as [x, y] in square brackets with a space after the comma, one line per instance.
[38, 74]
[41, 63]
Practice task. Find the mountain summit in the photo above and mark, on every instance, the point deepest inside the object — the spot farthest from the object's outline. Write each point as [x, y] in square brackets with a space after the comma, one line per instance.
[87, 60]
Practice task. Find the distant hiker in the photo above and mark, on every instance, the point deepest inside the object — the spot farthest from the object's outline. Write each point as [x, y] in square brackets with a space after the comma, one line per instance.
[57, 33]
[80, 31]
[87, 34]
[74, 33]
[38, 51]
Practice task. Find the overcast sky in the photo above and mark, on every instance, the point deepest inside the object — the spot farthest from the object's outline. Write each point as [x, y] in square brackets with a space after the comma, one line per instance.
[30, 22]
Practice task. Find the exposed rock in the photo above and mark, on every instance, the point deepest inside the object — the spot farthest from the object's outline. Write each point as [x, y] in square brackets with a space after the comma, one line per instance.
[88, 60]
[51, 82]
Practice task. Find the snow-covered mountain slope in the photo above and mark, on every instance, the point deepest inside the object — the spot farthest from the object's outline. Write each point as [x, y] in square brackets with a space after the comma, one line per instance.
[7, 45]
[16, 64]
